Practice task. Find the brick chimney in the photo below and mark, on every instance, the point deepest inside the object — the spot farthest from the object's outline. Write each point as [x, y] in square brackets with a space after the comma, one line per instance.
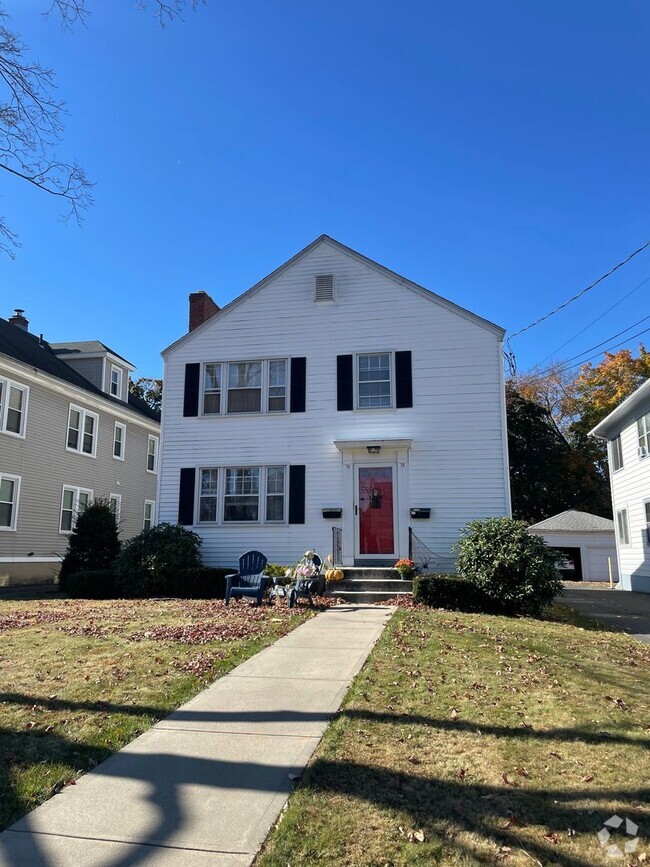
[18, 319]
[202, 307]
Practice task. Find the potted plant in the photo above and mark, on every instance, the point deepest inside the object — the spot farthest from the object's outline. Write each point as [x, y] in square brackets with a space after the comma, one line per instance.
[406, 568]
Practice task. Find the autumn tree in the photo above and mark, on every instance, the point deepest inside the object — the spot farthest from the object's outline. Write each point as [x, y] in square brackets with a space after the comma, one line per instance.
[31, 115]
[149, 390]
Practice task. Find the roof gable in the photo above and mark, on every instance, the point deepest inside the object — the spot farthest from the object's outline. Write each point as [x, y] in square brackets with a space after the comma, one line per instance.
[359, 257]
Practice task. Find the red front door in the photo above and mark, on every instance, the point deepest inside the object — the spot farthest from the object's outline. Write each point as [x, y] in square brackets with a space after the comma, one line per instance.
[375, 508]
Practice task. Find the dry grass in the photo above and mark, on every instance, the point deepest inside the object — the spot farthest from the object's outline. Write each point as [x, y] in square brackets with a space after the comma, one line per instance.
[79, 679]
[469, 740]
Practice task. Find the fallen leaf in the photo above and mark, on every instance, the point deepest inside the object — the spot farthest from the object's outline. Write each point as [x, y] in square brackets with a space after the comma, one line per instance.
[552, 837]
[588, 778]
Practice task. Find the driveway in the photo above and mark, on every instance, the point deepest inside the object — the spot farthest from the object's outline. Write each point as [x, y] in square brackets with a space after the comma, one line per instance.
[620, 609]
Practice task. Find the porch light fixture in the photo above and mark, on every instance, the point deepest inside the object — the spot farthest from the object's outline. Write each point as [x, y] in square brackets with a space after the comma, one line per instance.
[373, 450]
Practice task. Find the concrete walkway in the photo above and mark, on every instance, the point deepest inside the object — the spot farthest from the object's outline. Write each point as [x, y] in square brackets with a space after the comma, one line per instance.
[621, 609]
[204, 786]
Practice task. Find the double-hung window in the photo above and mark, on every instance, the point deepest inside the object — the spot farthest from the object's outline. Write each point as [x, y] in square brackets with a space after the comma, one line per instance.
[617, 453]
[246, 494]
[374, 381]
[208, 495]
[236, 387]
[116, 382]
[623, 527]
[149, 512]
[277, 396]
[152, 454]
[275, 493]
[9, 493]
[13, 407]
[643, 428]
[82, 431]
[646, 507]
[115, 505]
[245, 386]
[242, 494]
[212, 389]
[73, 503]
[119, 441]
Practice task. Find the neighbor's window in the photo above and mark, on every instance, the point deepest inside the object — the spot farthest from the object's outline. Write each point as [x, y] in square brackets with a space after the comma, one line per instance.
[9, 491]
[643, 427]
[647, 519]
[73, 503]
[617, 454]
[152, 454]
[275, 493]
[373, 374]
[242, 494]
[115, 505]
[277, 385]
[623, 527]
[149, 512]
[119, 441]
[13, 407]
[116, 382]
[82, 431]
[208, 495]
[245, 386]
[211, 389]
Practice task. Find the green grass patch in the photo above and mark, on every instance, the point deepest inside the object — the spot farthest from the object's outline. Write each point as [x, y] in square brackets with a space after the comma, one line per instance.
[472, 739]
[79, 679]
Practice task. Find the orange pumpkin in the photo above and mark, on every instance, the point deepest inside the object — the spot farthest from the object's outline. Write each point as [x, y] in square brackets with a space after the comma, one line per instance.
[334, 575]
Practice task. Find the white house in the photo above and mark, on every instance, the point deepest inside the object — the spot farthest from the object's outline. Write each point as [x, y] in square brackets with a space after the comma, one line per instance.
[586, 542]
[333, 394]
[627, 431]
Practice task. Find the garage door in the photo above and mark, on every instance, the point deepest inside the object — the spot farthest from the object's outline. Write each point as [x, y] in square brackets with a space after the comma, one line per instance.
[597, 560]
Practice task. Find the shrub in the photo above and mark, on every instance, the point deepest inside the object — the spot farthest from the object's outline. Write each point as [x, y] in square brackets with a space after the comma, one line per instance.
[95, 584]
[510, 566]
[93, 544]
[150, 562]
[202, 583]
[275, 570]
[451, 592]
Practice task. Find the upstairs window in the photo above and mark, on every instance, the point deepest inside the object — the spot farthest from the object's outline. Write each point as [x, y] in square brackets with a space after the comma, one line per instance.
[623, 527]
[13, 407]
[116, 382]
[238, 387]
[212, 389]
[73, 503]
[617, 454]
[119, 441]
[245, 386]
[9, 491]
[277, 385]
[152, 454]
[643, 428]
[82, 431]
[374, 381]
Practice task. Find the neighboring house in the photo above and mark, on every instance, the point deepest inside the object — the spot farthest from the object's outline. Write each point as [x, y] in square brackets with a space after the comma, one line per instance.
[69, 431]
[586, 542]
[627, 431]
[334, 401]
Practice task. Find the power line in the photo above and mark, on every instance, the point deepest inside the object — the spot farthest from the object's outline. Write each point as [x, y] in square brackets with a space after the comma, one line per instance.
[581, 293]
[612, 337]
[597, 319]
[566, 366]
[598, 354]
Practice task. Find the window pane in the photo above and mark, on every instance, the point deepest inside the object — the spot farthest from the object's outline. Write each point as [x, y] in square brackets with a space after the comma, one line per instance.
[212, 377]
[89, 431]
[117, 444]
[83, 501]
[241, 509]
[244, 480]
[278, 372]
[617, 454]
[6, 511]
[275, 480]
[208, 495]
[275, 508]
[245, 400]
[7, 491]
[74, 424]
[15, 410]
[245, 374]
[212, 402]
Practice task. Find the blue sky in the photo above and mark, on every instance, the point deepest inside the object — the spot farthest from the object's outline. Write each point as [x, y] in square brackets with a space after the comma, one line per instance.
[495, 153]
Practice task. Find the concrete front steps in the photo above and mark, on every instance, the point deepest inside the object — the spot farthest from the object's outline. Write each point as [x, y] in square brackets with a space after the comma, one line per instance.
[370, 584]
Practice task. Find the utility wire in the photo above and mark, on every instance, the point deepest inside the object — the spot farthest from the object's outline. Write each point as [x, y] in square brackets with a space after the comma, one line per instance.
[581, 293]
[598, 354]
[565, 365]
[603, 342]
[597, 319]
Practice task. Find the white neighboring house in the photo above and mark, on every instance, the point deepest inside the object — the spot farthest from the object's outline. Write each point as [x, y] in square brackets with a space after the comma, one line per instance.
[586, 541]
[333, 394]
[627, 431]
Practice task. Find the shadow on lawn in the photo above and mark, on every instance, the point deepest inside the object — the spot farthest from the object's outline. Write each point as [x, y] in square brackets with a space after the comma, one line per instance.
[443, 807]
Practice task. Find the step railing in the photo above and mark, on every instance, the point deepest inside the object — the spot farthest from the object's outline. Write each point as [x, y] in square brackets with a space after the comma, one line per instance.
[337, 545]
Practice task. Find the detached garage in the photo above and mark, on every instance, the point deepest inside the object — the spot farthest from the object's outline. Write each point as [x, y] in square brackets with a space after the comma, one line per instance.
[586, 542]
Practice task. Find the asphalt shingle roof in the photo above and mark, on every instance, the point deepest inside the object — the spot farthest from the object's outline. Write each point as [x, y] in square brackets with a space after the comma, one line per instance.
[579, 522]
[31, 350]
[71, 347]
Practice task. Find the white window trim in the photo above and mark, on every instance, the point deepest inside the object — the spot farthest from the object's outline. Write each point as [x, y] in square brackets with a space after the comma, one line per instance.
[83, 413]
[645, 435]
[8, 384]
[123, 428]
[151, 503]
[120, 382]
[391, 361]
[156, 440]
[612, 452]
[75, 505]
[646, 519]
[623, 510]
[16, 502]
[264, 388]
[118, 510]
[221, 496]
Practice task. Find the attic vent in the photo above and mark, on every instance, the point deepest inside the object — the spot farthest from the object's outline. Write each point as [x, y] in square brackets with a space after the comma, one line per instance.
[324, 287]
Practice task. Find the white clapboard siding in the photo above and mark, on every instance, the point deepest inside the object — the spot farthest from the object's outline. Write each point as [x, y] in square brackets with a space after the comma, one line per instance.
[457, 463]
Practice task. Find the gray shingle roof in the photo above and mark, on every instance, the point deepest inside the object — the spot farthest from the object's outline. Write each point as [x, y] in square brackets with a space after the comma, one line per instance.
[579, 522]
[71, 347]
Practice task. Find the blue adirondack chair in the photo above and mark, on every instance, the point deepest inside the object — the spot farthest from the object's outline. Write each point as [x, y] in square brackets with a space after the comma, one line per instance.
[312, 586]
[250, 580]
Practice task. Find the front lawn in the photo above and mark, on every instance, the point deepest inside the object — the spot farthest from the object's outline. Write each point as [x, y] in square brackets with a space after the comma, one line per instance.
[80, 679]
[470, 739]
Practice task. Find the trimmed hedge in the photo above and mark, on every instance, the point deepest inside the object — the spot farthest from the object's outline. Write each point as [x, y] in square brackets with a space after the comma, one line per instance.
[452, 592]
[93, 584]
[205, 582]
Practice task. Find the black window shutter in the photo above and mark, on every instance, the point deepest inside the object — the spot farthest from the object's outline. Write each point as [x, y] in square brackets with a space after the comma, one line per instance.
[344, 382]
[403, 380]
[191, 396]
[297, 494]
[186, 496]
[298, 384]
